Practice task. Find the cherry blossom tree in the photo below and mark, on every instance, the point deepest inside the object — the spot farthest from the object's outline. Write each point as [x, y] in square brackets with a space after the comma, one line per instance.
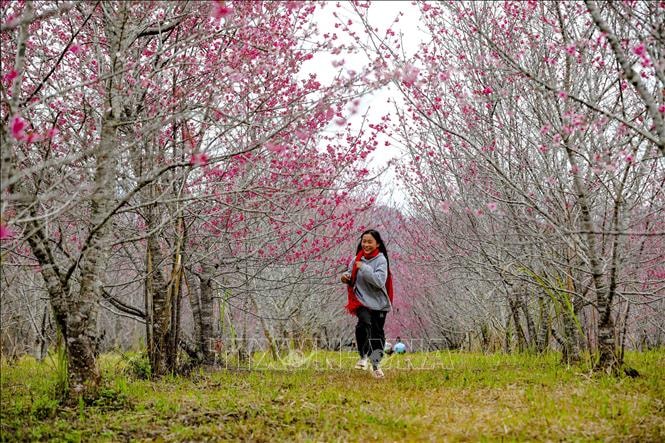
[536, 157]
[166, 138]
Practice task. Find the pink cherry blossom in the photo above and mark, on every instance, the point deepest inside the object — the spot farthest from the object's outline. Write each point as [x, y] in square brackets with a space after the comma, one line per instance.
[199, 159]
[220, 10]
[444, 206]
[18, 126]
[10, 76]
[5, 232]
[276, 148]
[639, 50]
[409, 74]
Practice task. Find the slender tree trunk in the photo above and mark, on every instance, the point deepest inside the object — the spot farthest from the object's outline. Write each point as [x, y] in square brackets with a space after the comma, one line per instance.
[194, 298]
[176, 296]
[266, 330]
[206, 317]
[149, 290]
[531, 327]
[543, 326]
[42, 340]
[624, 331]
[571, 349]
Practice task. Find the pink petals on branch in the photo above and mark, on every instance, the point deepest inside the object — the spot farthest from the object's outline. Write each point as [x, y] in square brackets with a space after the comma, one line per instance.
[641, 51]
[5, 232]
[17, 127]
[302, 135]
[276, 148]
[18, 130]
[10, 76]
[409, 74]
[220, 10]
[75, 48]
[444, 207]
[199, 159]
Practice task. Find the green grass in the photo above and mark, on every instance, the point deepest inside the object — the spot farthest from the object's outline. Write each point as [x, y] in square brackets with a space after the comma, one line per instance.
[461, 397]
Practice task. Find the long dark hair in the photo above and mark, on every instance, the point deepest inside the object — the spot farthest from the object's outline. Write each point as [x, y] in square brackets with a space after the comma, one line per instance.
[382, 246]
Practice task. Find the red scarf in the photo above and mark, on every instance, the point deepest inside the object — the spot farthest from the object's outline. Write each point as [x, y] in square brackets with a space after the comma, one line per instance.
[353, 304]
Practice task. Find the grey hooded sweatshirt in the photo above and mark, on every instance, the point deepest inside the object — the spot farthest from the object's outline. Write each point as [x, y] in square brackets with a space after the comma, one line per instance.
[370, 287]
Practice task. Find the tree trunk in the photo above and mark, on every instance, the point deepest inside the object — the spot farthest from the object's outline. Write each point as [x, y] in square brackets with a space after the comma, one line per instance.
[544, 325]
[606, 344]
[175, 287]
[206, 317]
[571, 349]
[531, 327]
[82, 321]
[163, 297]
[194, 298]
[519, 332]
[272, 345]
[158, 306]
[571, 306]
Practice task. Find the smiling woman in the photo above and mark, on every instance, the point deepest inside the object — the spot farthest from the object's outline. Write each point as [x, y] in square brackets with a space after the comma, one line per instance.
[370, 296]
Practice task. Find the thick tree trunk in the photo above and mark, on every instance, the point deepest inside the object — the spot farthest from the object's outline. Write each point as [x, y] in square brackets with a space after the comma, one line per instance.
[608, 358]
[160, 315]
[201, 302]
[162, 301]
[75, 312]
[81, 336]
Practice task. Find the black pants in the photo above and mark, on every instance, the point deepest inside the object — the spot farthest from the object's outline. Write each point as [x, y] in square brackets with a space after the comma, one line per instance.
[369, 334]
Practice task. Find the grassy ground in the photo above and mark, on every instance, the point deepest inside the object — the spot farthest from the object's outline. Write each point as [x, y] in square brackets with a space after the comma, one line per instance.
[424, 397]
